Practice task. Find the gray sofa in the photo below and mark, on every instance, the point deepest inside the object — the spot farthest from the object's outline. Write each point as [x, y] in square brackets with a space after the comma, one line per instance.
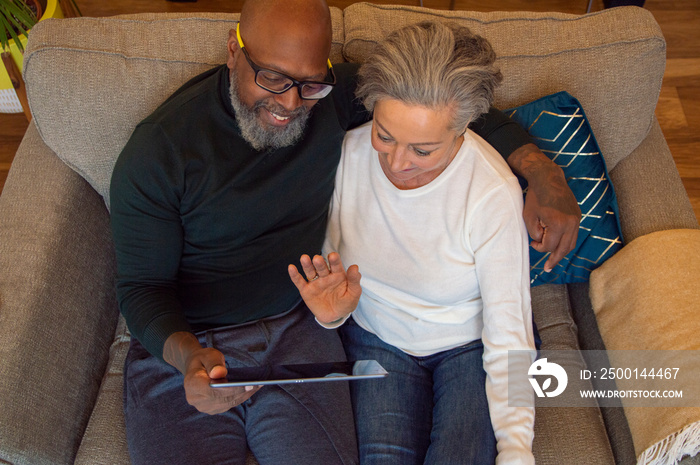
[90, 81]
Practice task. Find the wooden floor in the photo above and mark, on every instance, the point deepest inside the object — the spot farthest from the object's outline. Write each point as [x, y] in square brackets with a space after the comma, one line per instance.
[677, 109]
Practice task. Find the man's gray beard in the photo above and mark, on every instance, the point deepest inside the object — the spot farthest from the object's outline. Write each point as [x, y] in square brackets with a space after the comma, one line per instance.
[252, 128]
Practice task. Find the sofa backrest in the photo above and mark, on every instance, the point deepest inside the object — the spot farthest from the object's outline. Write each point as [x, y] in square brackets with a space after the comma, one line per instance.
[91, 80]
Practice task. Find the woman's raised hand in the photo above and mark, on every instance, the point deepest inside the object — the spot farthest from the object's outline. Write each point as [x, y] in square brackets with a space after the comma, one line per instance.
[329, 291]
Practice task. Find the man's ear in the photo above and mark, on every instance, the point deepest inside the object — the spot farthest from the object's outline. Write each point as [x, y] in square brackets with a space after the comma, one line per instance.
[231, 48]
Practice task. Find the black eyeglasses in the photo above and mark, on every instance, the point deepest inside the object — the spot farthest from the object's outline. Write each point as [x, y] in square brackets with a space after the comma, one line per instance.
[278, 83]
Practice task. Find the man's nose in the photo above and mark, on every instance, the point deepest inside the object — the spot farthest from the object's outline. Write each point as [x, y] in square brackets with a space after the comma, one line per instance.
[290, 99]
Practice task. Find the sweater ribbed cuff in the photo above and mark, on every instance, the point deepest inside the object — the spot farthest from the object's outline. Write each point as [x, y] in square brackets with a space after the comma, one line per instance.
[159, 329]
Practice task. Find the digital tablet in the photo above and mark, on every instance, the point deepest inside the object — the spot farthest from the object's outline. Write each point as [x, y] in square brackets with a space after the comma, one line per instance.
[302, 373]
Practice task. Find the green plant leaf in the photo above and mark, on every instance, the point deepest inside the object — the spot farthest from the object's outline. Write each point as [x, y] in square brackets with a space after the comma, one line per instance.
[15, 17]
[7, 33]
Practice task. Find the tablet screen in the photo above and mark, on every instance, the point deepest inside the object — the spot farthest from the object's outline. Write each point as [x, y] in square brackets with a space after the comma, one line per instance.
[302, 373]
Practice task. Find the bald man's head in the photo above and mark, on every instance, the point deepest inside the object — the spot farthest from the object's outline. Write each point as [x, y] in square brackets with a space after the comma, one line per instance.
[295, 25]
[291, 38]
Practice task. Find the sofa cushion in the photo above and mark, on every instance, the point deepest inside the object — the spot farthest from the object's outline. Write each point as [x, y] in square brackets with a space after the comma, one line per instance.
[588, 442]
[91, 80]
[560, 128]
[594, 57]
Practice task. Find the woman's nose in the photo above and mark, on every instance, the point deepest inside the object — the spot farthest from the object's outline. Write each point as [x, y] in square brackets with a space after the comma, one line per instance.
[397, 160]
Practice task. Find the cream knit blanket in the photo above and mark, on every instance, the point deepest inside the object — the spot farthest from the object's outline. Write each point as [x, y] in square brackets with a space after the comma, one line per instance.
[647, 296]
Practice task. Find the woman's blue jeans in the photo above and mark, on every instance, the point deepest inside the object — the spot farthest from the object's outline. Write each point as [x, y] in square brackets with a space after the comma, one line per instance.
[430, 410]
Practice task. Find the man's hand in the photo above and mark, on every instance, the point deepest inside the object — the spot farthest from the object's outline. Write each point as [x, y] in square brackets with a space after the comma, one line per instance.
[330, 293]
[551, 212]
[201, 365]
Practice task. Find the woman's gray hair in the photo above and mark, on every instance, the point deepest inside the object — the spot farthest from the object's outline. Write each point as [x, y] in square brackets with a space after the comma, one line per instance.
[432, 65]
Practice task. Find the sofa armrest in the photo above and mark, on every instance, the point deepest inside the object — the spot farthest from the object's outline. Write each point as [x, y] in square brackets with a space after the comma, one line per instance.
[58, 309]
[650, 193]
[104, 441]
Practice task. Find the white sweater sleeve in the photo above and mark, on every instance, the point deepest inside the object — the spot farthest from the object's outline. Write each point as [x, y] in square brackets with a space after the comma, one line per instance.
[500, 246]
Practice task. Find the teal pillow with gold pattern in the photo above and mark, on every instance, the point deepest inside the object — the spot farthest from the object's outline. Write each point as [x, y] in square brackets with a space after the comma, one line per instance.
[559, 127]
